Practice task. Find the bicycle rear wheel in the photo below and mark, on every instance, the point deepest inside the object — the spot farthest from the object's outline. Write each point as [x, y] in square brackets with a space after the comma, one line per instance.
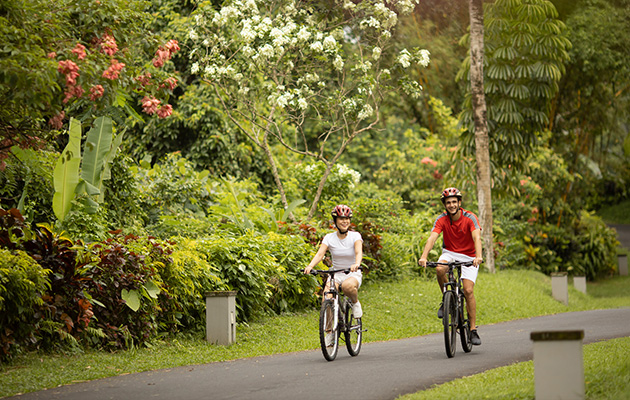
[450, 323]
[353, 331]
[328, 330]
[464, 326]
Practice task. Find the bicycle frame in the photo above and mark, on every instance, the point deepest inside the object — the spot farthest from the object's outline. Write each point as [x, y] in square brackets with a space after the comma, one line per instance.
[336, 317]
[454, 311]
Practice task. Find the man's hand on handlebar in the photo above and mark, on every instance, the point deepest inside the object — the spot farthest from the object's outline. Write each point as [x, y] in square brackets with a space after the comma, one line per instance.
[422, 262]
[307, 270]
[477, 261]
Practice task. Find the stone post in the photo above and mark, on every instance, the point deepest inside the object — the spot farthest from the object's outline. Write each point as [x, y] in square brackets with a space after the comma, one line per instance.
[579, 282]
[560, 287]
[623, 264]
[221, 317]
[559, 365]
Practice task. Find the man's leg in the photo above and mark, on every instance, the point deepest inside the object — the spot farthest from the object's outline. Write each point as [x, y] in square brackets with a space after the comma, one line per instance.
[471, 303]
[471, 307]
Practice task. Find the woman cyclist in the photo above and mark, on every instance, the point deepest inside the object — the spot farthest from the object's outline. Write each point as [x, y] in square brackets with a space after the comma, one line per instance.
[346, 250]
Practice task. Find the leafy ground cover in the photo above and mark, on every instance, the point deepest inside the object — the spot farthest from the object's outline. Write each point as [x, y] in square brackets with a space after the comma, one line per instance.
[499, 299]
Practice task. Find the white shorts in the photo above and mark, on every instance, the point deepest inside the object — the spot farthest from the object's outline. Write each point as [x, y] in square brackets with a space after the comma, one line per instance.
[340, 277]
[469, 273]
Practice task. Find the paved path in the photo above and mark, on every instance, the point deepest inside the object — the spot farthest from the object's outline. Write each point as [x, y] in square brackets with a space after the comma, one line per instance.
[383, 370]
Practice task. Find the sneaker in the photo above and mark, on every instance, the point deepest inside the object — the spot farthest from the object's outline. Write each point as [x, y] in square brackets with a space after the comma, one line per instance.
[329, 339]
[474, 338]
[357, 311]
[441, 310]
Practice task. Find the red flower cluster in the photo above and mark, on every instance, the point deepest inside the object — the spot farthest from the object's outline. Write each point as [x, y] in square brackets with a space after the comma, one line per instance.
[151, 105]
[165, 53]
[170, 82]
[70, 70]
[57, 121]
[113, 70]
[108, 44]
[145, 80]
[79, 50]
[96, 92]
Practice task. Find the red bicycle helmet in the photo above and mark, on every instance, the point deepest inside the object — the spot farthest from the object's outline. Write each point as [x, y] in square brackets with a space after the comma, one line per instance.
[341, 210]
[451, 192]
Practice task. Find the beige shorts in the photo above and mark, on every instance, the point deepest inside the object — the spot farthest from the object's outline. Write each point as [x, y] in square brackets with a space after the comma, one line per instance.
[469, 273]
[341, 277]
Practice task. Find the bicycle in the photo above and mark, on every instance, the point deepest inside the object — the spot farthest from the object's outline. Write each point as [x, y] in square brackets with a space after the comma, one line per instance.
[336, 317]
[455, 316]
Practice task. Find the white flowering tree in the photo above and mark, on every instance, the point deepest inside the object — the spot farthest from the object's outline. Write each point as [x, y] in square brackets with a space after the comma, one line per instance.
[308, 75]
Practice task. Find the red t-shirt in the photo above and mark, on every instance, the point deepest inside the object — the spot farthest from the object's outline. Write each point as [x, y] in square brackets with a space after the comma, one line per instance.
[458, 234]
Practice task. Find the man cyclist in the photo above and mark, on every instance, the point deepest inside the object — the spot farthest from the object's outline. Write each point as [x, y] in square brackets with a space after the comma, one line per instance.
[346, 250]
[462, 242]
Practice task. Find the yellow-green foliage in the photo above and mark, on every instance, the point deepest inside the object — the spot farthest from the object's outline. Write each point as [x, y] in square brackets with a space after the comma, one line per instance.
[22, 281]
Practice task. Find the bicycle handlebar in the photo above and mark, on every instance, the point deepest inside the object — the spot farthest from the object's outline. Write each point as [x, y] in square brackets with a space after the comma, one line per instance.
[330, 271]
[452, 263]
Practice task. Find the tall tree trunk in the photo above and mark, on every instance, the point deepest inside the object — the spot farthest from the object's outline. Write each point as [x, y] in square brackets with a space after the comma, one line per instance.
[482, 153]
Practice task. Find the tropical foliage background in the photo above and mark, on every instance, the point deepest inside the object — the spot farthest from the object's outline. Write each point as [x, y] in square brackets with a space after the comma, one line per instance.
[151, 151]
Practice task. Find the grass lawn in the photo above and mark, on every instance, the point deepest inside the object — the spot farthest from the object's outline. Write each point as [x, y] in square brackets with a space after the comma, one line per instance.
[499, 298]
[616, 214]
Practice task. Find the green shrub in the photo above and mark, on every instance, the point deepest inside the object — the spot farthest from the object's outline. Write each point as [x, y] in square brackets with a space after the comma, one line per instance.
[597, 247]
[291, 290]
[22, 283]
[125, 287]
[186, 280]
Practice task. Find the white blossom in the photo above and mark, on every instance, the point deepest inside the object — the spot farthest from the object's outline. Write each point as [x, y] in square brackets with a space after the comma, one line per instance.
[423, 57]
[302, 103]
[404, 58]
[348, 5]
[266, 51]
[193, 35]
[376, 53]
[194, 68]
[279, 39]
[338, 63]
[406, 6]
[248, 51]
[317, 46]
[247, 32]
[366, 112]
[251, 5]
[330, 43]
[303, 35]
[370, 22]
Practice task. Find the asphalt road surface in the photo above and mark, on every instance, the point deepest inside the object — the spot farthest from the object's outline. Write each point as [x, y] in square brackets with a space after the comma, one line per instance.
[382, 370]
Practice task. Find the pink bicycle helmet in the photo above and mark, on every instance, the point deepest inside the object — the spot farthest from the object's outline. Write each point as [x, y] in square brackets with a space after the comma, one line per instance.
[341, 210]
[451, 192]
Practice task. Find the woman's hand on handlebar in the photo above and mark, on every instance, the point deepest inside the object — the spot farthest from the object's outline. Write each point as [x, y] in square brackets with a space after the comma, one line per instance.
[422, 262]
[354, 267]
[307, 270]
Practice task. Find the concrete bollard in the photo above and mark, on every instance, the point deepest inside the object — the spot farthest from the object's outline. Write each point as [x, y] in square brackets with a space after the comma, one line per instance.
[221, 317]
[579, 282]
[558, 365]
[623, 264]
[560, 287]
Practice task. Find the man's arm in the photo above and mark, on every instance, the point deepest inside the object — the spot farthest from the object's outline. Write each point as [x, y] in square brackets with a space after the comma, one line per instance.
[476, 236]
[427, 248]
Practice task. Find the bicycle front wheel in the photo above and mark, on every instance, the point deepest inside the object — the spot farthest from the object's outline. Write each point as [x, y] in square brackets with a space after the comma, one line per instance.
[450, 322]
[464, 326]
[328, 330]
[353, 331]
